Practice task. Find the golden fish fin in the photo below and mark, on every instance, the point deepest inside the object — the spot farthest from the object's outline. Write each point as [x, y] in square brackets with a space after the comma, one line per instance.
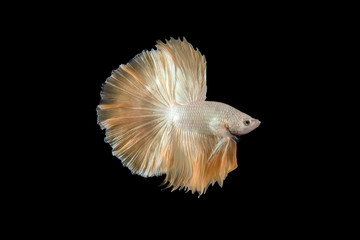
[190, 70]
[137, 139]
[183, 152]
[148, 80]
[221, 161]
[197, 160]
[133, 110]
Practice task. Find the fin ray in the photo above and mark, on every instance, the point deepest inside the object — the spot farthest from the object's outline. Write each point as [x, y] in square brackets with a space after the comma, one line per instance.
[190, 70]
[199, 160]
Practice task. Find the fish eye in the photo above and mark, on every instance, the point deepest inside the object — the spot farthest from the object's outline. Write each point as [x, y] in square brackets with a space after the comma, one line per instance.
[247, 122]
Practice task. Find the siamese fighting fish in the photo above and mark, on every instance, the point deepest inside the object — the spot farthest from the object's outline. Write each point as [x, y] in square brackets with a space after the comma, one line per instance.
[158, 122]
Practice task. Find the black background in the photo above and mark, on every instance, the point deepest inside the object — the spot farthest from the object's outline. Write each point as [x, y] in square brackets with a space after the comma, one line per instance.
[259, 63]
[248, 67]
[276, 62]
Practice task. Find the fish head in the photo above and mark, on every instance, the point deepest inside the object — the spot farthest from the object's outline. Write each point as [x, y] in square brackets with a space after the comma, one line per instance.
[242, 123]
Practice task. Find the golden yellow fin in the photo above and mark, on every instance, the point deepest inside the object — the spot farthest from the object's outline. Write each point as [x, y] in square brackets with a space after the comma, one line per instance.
[133, 110]
[198, 160]
[190, 70]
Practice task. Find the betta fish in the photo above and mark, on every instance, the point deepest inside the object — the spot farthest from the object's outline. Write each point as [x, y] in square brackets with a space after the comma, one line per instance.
[158, 122]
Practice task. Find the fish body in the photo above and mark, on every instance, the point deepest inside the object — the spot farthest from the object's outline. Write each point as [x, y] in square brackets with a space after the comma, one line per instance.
[158, 122]
[211, 118]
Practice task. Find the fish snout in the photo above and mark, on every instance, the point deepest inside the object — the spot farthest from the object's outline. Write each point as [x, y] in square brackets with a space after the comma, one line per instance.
[257, 123]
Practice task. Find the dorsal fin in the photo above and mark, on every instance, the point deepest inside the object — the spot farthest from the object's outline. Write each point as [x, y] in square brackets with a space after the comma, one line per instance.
[190, 70]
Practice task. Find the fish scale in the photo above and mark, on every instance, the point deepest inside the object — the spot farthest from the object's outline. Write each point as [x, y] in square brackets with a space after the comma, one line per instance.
[202, 117]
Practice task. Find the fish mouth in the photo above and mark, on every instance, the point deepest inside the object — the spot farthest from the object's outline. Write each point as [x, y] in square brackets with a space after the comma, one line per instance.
[257, 123]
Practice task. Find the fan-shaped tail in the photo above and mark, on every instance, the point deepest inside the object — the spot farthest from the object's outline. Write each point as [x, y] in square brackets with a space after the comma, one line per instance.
[133, 110]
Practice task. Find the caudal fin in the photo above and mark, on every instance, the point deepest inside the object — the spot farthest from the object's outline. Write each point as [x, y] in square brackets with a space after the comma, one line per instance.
[134, 102]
